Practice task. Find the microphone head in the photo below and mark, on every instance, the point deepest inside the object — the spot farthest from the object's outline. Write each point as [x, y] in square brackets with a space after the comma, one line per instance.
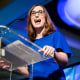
[21, 19]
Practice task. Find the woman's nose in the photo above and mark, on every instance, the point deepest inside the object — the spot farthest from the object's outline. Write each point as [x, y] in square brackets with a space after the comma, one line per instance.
[37, 15]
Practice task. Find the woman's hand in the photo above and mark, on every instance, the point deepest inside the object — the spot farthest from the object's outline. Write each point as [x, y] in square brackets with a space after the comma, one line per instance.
[24, 71]
[60, 57]
[47, 50]
[3, 64]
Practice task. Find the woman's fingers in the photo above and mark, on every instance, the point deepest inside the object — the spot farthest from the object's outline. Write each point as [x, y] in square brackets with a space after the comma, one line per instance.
[3, 64]
[47, 50]
[24, 70]
[41, 50]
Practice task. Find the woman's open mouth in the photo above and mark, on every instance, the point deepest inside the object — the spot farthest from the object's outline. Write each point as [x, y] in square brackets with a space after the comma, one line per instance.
[37, 21]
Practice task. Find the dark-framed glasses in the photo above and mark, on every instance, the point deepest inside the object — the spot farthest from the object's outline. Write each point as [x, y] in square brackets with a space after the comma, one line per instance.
[40, 12]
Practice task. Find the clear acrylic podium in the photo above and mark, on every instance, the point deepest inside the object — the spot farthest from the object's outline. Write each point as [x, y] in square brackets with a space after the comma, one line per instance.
[16, 52]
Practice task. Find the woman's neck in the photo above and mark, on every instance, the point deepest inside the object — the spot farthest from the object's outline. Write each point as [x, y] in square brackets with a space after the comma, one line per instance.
[39, 32]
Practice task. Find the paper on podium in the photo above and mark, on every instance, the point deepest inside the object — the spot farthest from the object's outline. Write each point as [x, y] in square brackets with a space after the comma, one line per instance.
[18, 54]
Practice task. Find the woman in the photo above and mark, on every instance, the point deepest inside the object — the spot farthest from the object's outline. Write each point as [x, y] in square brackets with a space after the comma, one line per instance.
[41, 31]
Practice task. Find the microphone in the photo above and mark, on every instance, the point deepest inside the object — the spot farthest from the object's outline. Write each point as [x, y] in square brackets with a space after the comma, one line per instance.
[21, 19]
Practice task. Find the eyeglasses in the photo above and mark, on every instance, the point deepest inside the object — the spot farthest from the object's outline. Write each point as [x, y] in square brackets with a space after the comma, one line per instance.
[40, 12]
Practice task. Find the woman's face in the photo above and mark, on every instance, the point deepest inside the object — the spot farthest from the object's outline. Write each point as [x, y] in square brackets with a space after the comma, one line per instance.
[38, 17]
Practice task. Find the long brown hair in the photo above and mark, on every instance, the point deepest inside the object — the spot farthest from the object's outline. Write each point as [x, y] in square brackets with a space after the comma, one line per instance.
[49, 26]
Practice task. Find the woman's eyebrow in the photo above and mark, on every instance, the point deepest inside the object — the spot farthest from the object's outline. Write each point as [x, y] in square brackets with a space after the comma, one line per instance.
[35, 11]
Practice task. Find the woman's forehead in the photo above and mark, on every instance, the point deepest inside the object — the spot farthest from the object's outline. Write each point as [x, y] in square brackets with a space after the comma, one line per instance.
[37, 8]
